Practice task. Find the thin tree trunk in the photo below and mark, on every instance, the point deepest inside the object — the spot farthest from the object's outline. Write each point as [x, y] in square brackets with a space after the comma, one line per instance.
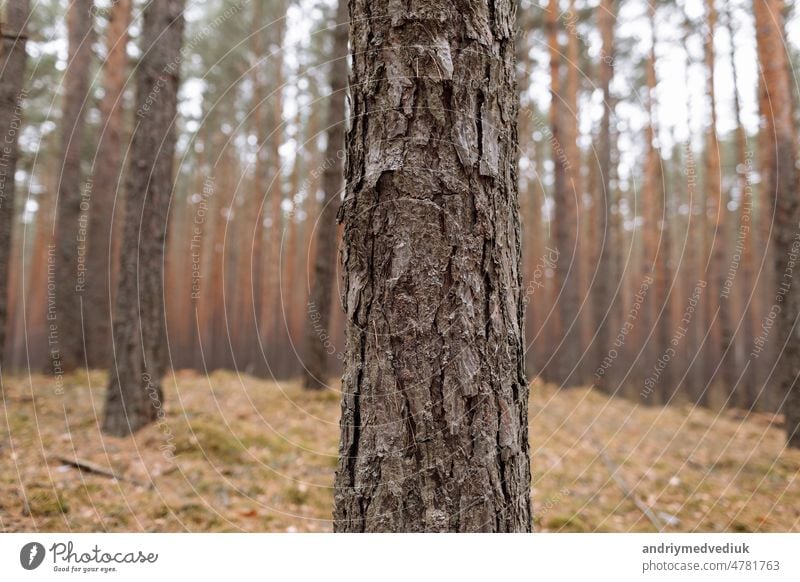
[254, 216]
[576, 335]
[318, 329]
[434, 429]
[69, 283]
[134, 397]
[565, 226]
[270, 319]
[742, 302]
[12, 65]
[108, 166]
[656, 243]
[565, 214]
[714, 210]
[696, 239]
[781, 182]
[608, 274]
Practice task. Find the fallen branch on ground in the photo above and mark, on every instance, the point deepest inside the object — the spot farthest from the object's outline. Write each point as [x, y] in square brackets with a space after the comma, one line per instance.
[626, 490]
[90, 467]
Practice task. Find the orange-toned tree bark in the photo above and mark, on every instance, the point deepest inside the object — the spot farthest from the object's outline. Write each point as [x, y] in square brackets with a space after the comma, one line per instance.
[781, 187]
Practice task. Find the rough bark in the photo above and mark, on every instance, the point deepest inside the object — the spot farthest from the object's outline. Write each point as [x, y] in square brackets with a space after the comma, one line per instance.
[781, 182]
[69, 353]
[12, 65]
[108, 165]
[134, 397]
[434, 412]
[318, 332]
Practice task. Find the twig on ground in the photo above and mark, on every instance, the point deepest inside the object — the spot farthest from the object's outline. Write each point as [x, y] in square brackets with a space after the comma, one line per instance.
[90, 467]
[626, 490]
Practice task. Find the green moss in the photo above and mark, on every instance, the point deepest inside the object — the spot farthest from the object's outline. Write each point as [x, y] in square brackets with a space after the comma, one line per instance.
[46, 502]
[208, 439]
[296, 496]
[571, 523]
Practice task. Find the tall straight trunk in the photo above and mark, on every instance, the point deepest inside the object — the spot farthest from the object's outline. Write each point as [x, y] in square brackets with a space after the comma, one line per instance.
[781, 183]
[254, 204]
[656, 240]
[696, 239]
[743, 296]
[12, 65]
[565, 216]
[108, 166]
[134, 397]
[576, 334]
[318, 330]
[68, 353]
[271, 309]
[714, 210]
[434, 429]
[764, 220]
[723, 337]
[607, 271]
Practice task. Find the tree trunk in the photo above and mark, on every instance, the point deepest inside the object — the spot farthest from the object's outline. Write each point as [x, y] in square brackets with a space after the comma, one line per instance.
[714, 213]
[434, 429]
[576, 334]
[781, 184]
[70, 242]
[656, 312]
[134, 397]
[271, 308]
[12, 64]
[108, 166]
[318, 332]
[608, 274]
[565, 215]
[742, 298]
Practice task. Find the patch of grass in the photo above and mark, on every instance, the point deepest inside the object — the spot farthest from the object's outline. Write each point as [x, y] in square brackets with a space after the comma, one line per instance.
[259, 456]
[570, 523]
[295, 495]
[211, 440]
[46, 502]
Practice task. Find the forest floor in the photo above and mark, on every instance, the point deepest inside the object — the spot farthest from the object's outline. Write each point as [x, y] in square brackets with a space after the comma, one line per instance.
[255, 455]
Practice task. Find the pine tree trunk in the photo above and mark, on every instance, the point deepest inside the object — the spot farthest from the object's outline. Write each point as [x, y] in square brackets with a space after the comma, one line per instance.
[69, 353]
[608, 274]
[12, 63]
[106, 188]
[656, 243]
[318, 330]
[434, 430]
[271, 308]
[714, 210]
[742, 297]
[781, 182]
[576, 334]
[134, 397]
[565, 216]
